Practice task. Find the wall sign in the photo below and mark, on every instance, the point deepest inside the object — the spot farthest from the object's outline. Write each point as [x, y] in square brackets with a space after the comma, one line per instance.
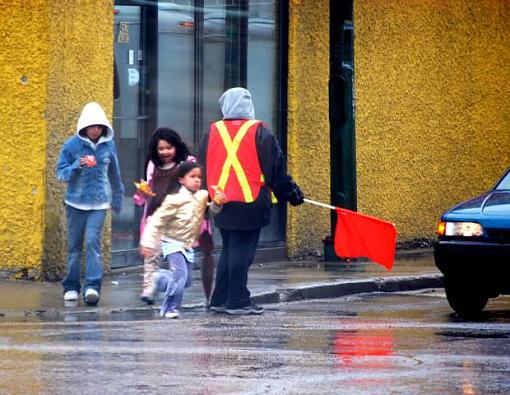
[123, 36]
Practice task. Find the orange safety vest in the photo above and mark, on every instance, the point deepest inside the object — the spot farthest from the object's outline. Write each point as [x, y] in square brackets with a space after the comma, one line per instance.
[232, 160]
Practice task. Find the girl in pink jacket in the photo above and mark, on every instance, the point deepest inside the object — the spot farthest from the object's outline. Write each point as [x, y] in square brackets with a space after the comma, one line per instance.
[166, 151]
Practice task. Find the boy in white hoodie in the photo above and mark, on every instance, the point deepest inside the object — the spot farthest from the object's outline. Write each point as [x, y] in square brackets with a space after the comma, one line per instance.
[89, 165]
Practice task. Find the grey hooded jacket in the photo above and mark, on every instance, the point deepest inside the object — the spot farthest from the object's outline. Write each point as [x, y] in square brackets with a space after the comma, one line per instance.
[236, 103]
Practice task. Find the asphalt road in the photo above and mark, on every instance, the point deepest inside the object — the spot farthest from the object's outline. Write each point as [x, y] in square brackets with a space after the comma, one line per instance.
[397, 343]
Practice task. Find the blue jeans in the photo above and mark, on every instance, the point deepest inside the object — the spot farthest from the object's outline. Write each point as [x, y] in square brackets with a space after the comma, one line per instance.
[84, 224]
[173, 281]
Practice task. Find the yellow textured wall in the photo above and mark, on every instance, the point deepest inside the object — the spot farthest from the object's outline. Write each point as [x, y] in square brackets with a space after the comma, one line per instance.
[308, 122]
[54, 57]
[80, 70]
[23, 91]
[432, 91]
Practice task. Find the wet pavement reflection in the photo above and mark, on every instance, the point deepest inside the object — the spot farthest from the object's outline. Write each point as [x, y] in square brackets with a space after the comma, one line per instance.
[374, 343]
[356, 349]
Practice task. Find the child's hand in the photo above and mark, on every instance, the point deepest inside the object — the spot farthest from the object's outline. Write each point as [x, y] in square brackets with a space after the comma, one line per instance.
[88, 160]
[219, 197]
[146, 251]
[144, 187]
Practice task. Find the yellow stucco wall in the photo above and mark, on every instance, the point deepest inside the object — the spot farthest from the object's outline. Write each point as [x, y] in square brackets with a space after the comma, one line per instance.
[80, 70]
[54, 57]
[433, 98]
[432, 104]
[308, 122]
[23, 65]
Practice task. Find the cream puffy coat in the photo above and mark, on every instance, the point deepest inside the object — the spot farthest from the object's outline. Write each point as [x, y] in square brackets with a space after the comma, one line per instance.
[178, 218]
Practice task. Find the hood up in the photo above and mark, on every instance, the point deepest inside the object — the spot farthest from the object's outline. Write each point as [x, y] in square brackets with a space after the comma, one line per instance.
[93, 114]
[236, 103]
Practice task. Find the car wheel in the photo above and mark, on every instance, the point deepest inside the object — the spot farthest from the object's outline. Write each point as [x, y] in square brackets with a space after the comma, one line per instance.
[465, 298]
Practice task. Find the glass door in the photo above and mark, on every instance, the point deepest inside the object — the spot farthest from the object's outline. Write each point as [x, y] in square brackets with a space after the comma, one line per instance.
[173, 59]
[128, 122]
[208, 46]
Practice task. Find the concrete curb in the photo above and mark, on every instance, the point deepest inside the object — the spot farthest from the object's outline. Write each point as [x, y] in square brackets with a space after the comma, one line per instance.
[343, 288]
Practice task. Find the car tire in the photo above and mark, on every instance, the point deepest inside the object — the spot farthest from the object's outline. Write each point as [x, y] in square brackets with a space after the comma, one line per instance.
[464, 297]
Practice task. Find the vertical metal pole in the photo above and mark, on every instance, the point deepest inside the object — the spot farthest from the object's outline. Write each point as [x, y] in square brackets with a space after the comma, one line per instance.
[198, 74]
[236, 45]
[283, 72]
[149, 42]
[243, 43]
[341, 108]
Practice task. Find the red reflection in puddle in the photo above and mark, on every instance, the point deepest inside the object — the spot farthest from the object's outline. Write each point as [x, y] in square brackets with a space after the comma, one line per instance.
[363, 349]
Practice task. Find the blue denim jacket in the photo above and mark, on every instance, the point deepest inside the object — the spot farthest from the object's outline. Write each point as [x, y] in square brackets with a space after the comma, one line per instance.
[91, 185]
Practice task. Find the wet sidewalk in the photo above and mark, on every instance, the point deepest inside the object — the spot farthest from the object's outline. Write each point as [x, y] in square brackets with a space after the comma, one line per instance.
[268, 282]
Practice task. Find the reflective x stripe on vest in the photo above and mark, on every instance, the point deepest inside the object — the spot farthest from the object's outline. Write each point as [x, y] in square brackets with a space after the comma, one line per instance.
[232, 160]
[274, 200]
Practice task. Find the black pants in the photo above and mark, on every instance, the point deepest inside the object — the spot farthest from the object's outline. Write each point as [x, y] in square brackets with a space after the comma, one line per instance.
[232, 274]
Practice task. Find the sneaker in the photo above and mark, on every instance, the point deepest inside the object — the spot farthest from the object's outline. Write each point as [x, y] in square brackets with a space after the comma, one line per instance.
[91, 296]
[250, 309]
[71, 296]
[217, 309]
[172, 314]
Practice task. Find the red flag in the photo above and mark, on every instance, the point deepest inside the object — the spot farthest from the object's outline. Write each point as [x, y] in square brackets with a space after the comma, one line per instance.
[358, 235]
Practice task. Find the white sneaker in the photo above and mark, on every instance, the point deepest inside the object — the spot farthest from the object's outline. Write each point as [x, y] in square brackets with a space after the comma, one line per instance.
[71, 296]
[91, 296]
[172, 314]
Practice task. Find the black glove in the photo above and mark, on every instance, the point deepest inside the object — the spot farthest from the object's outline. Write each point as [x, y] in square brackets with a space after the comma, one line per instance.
[296, 197]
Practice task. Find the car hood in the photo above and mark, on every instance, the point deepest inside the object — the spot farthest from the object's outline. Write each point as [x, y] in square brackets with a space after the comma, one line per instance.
[493, 205]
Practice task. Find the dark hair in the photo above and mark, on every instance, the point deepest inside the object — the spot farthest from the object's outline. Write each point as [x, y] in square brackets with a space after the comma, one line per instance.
[183, 169]
[171, 137]
[83, 131]
[172, 186]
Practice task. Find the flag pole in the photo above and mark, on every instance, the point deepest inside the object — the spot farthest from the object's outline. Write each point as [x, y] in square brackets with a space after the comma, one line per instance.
[319, 204]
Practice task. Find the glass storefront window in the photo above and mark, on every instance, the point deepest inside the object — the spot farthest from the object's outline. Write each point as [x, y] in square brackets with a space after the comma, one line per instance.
[127, 114]
[172, 62]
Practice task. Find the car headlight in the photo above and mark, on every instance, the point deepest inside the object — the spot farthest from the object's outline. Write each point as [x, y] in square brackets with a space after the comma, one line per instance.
[463, 229]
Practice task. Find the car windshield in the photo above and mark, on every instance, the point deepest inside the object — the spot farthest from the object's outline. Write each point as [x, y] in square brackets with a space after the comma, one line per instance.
[504, 183]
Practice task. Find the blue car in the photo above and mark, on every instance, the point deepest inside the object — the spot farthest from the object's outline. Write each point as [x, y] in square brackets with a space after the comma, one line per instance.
[473, 249]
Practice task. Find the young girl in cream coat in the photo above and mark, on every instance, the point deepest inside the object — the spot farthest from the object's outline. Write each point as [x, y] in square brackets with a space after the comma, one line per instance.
[173, 228]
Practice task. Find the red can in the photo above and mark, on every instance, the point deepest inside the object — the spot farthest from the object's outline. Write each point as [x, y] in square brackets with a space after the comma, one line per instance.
[91, 160]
